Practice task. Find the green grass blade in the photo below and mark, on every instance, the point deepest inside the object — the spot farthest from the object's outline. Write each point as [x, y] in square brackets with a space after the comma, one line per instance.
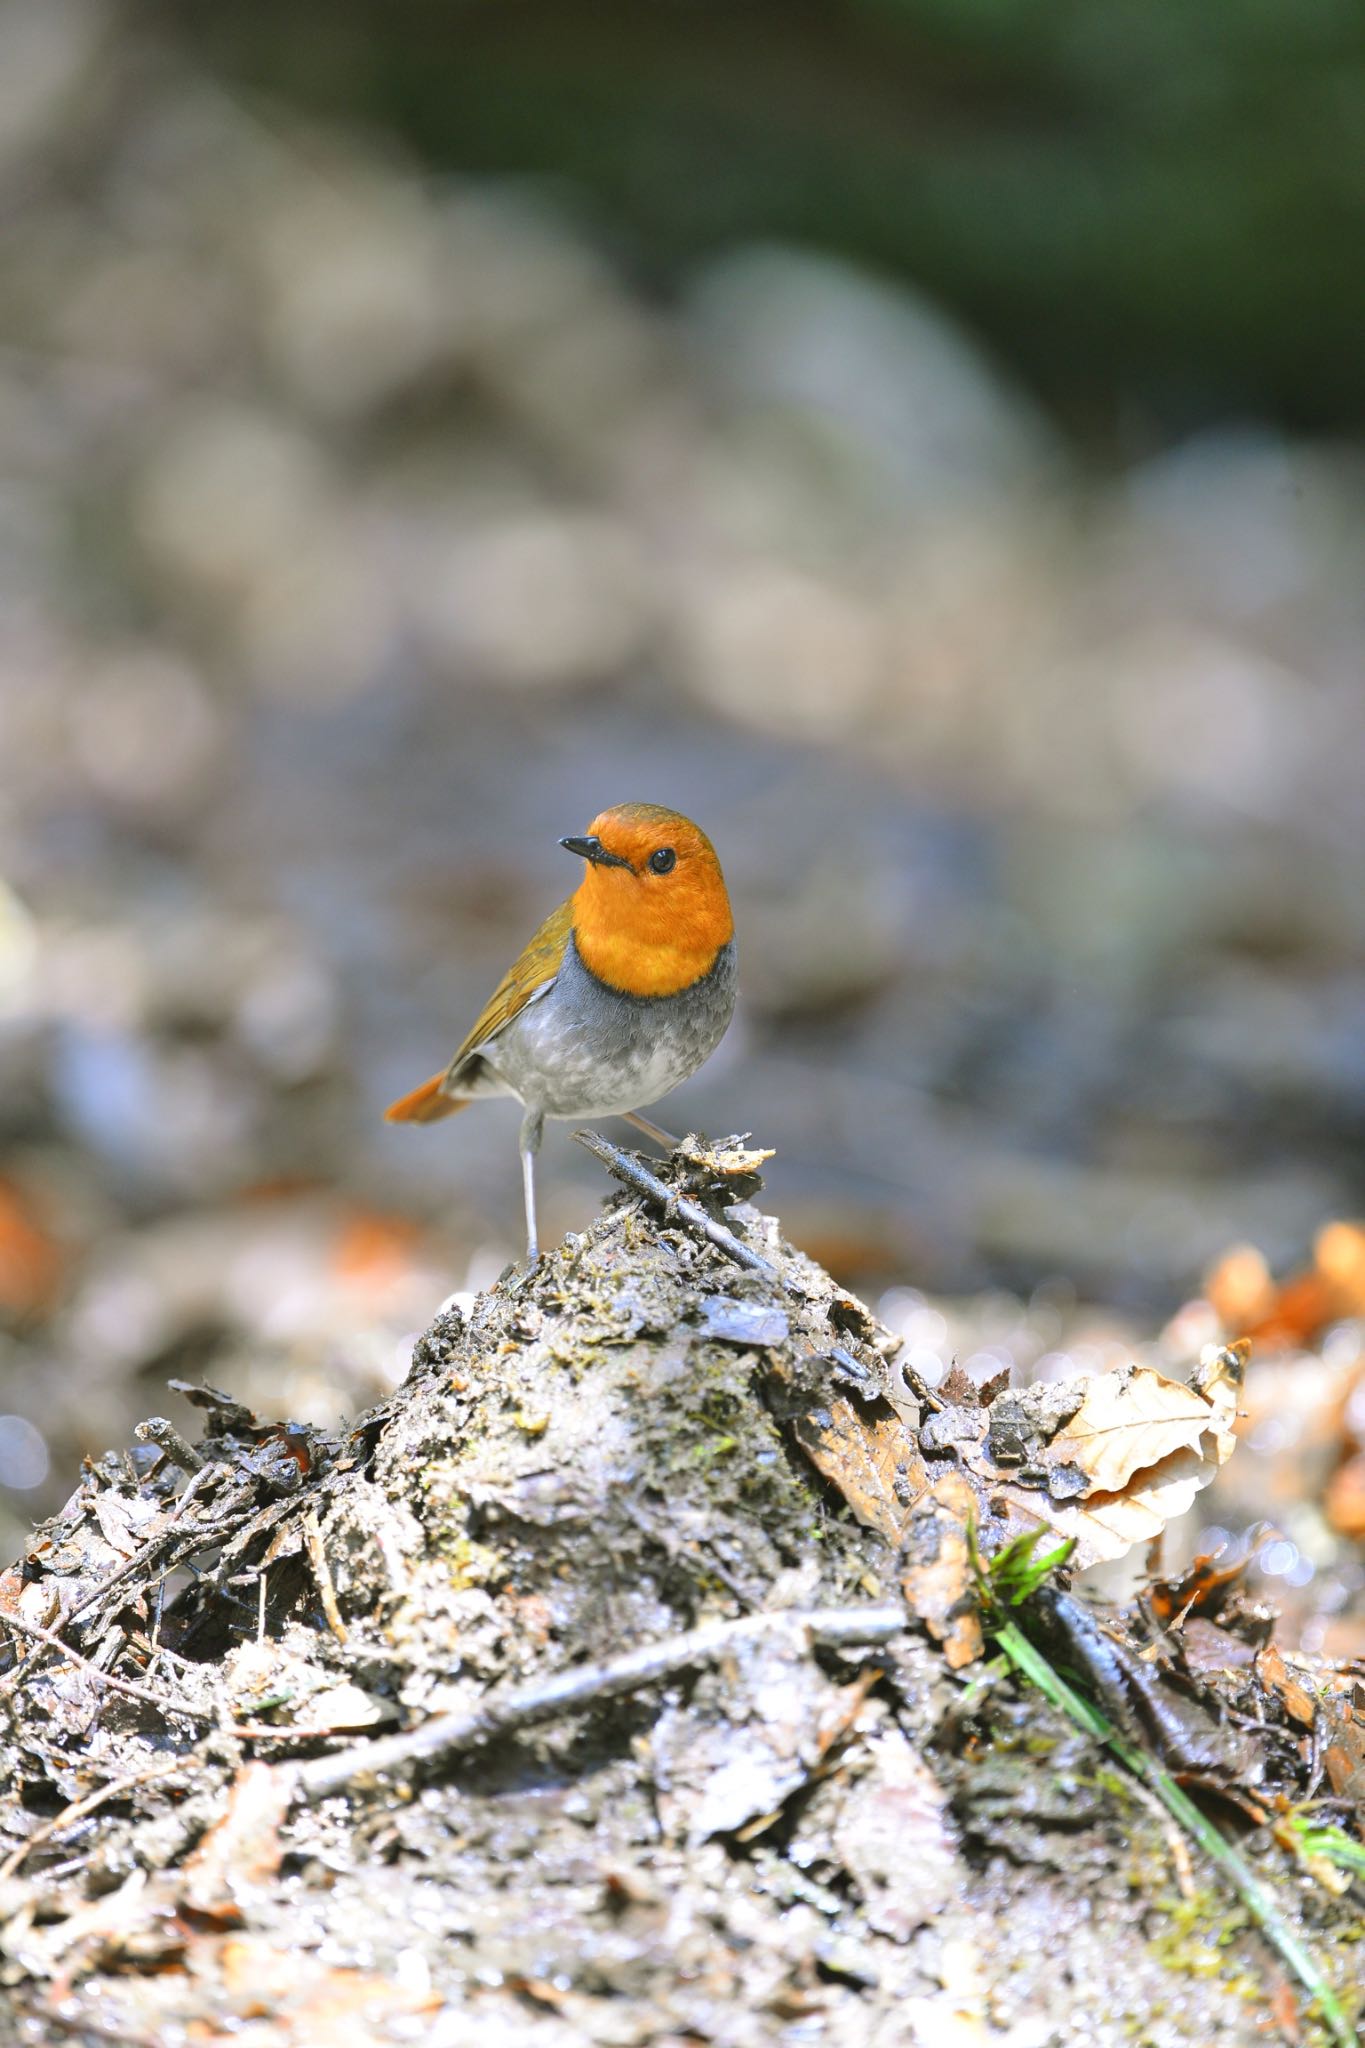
[1255, 1896]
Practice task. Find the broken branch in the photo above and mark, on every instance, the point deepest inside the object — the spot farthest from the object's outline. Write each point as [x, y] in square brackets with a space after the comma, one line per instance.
[624, 1166]
[582, 1685]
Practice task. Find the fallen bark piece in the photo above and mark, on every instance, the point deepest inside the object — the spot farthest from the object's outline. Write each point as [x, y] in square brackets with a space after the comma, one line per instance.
[743, 1322]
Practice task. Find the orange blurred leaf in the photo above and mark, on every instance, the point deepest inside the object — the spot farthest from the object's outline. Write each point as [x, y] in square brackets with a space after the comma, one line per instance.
[31, 1261]
[1289, 1316]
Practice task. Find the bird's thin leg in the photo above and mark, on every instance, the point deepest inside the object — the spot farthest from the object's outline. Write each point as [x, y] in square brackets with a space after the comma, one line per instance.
[532, 1124]
[654, 1131]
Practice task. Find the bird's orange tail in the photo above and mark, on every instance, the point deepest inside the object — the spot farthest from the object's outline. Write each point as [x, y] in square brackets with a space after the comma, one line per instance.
[425, 1105]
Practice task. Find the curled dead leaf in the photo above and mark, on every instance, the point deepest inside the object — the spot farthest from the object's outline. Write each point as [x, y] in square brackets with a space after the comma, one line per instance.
[1142, 1445]
[870, 1456]
[937, 1576]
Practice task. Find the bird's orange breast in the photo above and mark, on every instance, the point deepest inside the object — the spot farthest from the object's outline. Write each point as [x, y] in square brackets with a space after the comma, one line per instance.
[651, 935]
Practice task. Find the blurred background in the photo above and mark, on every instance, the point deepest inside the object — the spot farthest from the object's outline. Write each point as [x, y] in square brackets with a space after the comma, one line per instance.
[920, 438]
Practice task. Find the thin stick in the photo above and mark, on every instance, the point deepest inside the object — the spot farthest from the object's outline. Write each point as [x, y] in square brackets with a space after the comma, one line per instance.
[583, 1685]
[115, 1789]
[322, 1572]
[158, 1430]
[624, 1166]
[127, 1686]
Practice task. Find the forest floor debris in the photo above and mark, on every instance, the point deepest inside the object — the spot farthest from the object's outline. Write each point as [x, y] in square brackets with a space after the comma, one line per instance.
[622, 1676]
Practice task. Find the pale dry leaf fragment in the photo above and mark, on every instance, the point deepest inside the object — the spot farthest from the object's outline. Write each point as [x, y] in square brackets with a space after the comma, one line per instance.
[1107, 1525]
[103, 1926]
[1129, 1421]
[870, 1457]
[749, 1736]
[1104, 1524]
[345, 1706]
[730, 1157]
[120, 1523]
[311, 2002]
[894, 1838]
[937, 1576]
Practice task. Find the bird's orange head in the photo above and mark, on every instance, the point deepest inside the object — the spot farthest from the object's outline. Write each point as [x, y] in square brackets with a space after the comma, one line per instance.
[651, 912]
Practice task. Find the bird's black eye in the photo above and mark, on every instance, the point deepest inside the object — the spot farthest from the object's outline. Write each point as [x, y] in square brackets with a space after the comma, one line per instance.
[663, 860]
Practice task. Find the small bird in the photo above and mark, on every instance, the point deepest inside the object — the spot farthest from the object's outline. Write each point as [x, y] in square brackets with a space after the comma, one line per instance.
[620, 995]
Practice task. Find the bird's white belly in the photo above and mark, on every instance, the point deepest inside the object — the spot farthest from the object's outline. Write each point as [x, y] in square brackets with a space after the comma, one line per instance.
[583, 1049]
[556, 1064]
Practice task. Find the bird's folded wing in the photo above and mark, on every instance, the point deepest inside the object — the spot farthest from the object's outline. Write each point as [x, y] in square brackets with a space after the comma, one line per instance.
[532, 972]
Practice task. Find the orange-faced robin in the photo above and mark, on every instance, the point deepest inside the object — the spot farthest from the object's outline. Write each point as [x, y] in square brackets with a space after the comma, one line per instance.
[621, 994]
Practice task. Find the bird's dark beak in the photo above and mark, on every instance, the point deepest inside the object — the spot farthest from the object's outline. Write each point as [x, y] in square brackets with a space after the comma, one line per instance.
[593, 850]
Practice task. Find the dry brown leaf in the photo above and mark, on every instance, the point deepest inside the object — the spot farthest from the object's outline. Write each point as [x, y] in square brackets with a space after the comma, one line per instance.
[308, 2001]
[1339, 1255]
[1240, 1287]
[1344, 1762]
[1344, 1500]
[872, 1459]
[30, 1259]
[1202, 1588]
[1277, 1678]
[937, 1580]
[1192, 1441]
[1130, 1421]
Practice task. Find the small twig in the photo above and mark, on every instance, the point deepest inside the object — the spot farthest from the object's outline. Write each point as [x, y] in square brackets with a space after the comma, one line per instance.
[78, 1810]
[163, 1704]
[196, 1486]
[159, 1430]
[624, 1166]
[582, 1685]
[322, 1572]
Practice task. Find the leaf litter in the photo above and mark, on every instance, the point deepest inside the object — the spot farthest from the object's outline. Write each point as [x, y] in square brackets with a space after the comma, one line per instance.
[649, 1721]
